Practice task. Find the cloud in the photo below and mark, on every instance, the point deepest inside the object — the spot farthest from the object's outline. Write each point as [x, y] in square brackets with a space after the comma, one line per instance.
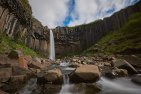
[50, 12]
[89, 10]
[75, 12]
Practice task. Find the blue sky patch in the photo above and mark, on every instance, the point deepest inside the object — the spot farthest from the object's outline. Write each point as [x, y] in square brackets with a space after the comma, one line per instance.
[68, 18]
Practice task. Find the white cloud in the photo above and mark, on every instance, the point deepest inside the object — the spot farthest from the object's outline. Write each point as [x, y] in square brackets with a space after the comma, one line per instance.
[53, 12]
[89, 10]
[50, 12]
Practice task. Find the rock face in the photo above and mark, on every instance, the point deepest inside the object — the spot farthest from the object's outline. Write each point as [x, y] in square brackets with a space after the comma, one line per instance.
[16, 21]
[136, 79]
[85, 73]
[2, 92]
[117, 73]
[54, 76]
[77, 38]
[15, 54]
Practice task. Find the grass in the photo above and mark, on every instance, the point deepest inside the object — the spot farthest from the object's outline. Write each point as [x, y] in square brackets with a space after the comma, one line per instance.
[128, 37]
[7, 44]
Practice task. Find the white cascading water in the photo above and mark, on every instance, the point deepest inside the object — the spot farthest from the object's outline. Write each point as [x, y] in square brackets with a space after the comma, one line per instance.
[52, 47]
[66, 87]
[119, 86]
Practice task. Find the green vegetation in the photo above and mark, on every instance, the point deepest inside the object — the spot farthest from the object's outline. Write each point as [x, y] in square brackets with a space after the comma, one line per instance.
[7, 44]
[128, 37]
[26, 5]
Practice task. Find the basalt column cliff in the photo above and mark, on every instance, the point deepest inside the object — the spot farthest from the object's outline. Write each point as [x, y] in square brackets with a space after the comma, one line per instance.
[16, 21]
[77, 38]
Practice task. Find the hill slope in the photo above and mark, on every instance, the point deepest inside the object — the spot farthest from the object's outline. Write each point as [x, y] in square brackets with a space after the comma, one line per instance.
[126, 40]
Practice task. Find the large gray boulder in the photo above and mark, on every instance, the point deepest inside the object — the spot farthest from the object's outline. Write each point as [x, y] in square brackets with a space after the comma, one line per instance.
[86, 74]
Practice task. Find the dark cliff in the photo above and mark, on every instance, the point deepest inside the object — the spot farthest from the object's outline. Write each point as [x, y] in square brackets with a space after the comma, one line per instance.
[88, 34]
[16, 21]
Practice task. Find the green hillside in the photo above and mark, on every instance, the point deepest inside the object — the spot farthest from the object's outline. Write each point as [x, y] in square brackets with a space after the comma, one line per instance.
[7, 44]
[126, 40]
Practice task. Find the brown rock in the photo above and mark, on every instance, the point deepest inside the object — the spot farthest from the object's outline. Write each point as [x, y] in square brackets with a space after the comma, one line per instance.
[5, 74]
[28, 59]
[15, 83]
[136, 80]
[123, 64]
[16, 70]
[36, 65]
[15, 54]
[22, 62]
[2, 92]
[116, 73]
[86, 73]
[54, 76]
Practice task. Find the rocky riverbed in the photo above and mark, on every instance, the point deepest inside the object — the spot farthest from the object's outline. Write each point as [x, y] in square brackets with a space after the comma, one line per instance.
[22, 74]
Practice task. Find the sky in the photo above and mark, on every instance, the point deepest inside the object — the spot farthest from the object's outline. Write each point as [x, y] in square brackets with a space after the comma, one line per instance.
[53, 13]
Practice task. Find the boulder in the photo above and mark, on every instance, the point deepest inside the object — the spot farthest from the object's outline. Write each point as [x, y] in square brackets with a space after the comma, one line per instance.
[14, 84]
[36, 65]
[137, 80]
[36, 59]
[86, 88]
[28, 59]
[123, 64]
[54, 76]
[15, 54]
[22, 62]
[2, 92]
[116, 73]
[5, 74]
[85, 73]
[16, 70]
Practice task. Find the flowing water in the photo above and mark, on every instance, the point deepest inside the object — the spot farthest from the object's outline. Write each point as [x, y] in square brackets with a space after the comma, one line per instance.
[29, 87]
[119, 86]
[108, 86]
[66, 87]
[52, 47]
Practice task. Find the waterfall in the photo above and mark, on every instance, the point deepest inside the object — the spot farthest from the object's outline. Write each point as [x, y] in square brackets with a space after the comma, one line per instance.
[66, 70]
[52, 47]
[66, 79]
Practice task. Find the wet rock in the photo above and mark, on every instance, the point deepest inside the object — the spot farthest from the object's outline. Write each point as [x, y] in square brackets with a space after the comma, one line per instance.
[36, 65]
[15, 54]
[116, 73]
[133, 60]
[28, 59]
[14, 83]
[87, 88]
[51, 89]
[36, 59]
[16, 70]
[2, 92]
[5, 65]
[85, 73]
[54, 76]
[136, 80]
[22, 62]
[74, 65]
[5, 74]
[123, 64]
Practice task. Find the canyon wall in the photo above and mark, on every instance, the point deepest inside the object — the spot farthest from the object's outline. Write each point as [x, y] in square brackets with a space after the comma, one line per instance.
[16, 21]
[87, 35]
